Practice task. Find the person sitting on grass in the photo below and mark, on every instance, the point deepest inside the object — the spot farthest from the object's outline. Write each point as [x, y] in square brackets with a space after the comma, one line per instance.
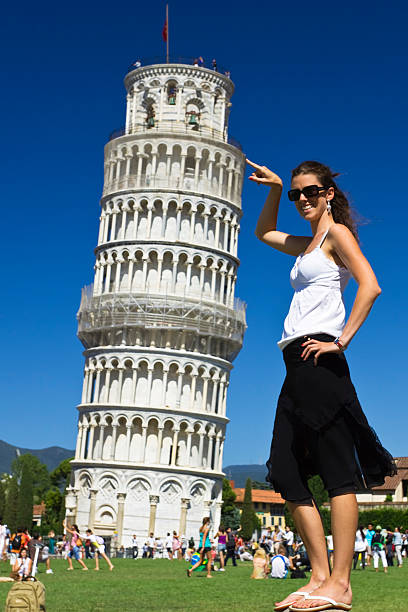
[204, 548]
[22, 566]
[280, 563]
[261, 564]
[74, 546]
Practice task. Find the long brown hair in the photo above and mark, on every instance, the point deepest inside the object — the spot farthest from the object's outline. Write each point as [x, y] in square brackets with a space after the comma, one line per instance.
[206, 520]
[340, 206]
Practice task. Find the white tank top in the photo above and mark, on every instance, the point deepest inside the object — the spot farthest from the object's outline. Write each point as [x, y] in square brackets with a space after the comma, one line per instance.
[317, 305]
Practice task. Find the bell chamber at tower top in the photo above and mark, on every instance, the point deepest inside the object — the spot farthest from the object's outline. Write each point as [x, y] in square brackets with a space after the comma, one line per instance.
[176, 134]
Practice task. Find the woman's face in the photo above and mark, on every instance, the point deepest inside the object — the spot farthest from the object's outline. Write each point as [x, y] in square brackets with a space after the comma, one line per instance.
[311, 208]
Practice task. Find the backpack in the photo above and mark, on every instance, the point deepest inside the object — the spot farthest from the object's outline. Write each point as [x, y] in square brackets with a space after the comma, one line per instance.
[100, 540]
[16, 542]
[27, 595]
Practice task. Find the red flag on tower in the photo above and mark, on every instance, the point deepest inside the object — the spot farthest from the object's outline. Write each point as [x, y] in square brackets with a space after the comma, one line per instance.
[165, 30]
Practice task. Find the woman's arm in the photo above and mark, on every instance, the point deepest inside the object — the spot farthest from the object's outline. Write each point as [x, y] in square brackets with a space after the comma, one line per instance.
[266, 227]
[368, 288]
[346, 247]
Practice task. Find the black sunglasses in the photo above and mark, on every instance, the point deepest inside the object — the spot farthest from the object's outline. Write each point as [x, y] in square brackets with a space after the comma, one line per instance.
[310, 191]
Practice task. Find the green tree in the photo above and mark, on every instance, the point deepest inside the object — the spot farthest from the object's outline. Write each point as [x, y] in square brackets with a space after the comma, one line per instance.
[61, 474]
[3, 490]
[25, 498]
[248, 522]
[230, 515]
[10, 509]
[40, 476]
[318, 491]
[53, 502]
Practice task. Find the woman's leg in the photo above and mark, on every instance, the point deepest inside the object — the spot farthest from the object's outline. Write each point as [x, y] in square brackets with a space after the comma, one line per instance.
[70, 567]
[344, 517]
[209, 561]
[199, 562]
[108, 561]
[96, 561]
[384, 560]
[375, 560]
[222, 559]
[310, 528]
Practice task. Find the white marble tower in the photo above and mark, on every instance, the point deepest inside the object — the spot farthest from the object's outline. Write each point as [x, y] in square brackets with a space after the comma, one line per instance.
[160, 324]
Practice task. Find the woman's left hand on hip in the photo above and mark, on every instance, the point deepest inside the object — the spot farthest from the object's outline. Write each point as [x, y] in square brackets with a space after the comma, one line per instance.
[318, 348]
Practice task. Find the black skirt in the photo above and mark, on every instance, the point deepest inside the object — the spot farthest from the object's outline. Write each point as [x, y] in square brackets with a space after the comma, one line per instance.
[320, 428]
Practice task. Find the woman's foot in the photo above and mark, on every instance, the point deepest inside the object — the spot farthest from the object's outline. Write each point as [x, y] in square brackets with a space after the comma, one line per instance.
[209, 576]
[308, 588]
[111, 567]
[332, 588]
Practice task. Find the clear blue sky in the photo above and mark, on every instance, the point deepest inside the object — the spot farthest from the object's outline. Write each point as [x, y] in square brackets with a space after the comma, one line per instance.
[313, 81]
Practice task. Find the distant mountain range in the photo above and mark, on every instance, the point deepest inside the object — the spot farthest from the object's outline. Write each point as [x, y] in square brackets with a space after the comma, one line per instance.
[239, 473]
[51, 456]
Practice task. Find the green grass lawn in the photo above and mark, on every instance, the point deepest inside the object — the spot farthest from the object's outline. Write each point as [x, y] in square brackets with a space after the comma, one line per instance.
[162, 585]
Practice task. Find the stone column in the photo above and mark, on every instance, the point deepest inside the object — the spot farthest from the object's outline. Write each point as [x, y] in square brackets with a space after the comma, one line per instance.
[183, 515]
[149, 384]
[154, 500]
[221, 454]
[134, 383]
[214, 394]
[210, 449]
[192, 227]
[92, 507]
[217, 229]
[200, 449]
[174, 447]
[205, 230]
[78, 442]
[164, 219]
[121, 512]
[217, 450]
[165, 375]
[205, 391]
[120, 384]
[113, 444]
[128, 439]
[135, 220]
[220, 397]
[83, 441]
[149, 219]
[189, 432]
[117, 276]
[159, 443]
[107, 384]
[179, 387]
[143, 444]
[159, 272]
[123, 226]
[113, 229]
[91, 442]
[101, 441]
[193, 390]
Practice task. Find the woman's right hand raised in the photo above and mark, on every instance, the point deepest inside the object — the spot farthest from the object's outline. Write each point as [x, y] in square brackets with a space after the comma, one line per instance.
[263, 176]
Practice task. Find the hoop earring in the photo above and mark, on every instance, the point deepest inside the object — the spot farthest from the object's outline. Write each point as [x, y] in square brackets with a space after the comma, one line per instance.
[328, 206]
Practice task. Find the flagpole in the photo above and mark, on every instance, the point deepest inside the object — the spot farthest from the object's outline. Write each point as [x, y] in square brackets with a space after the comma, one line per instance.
[167, 21]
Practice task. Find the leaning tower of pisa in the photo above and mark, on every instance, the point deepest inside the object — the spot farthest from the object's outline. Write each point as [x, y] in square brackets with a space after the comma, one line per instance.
[160, 324]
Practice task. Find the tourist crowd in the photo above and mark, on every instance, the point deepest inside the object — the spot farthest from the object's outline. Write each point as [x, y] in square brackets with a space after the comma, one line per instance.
[276, 553]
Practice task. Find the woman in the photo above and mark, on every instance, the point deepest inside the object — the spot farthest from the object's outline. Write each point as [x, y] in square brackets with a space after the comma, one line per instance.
[22, 566]
[261, 565]
[204, 548]
[74, 546]
[176, 546]
[360, 547]
[222, 545]
[320, 427]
